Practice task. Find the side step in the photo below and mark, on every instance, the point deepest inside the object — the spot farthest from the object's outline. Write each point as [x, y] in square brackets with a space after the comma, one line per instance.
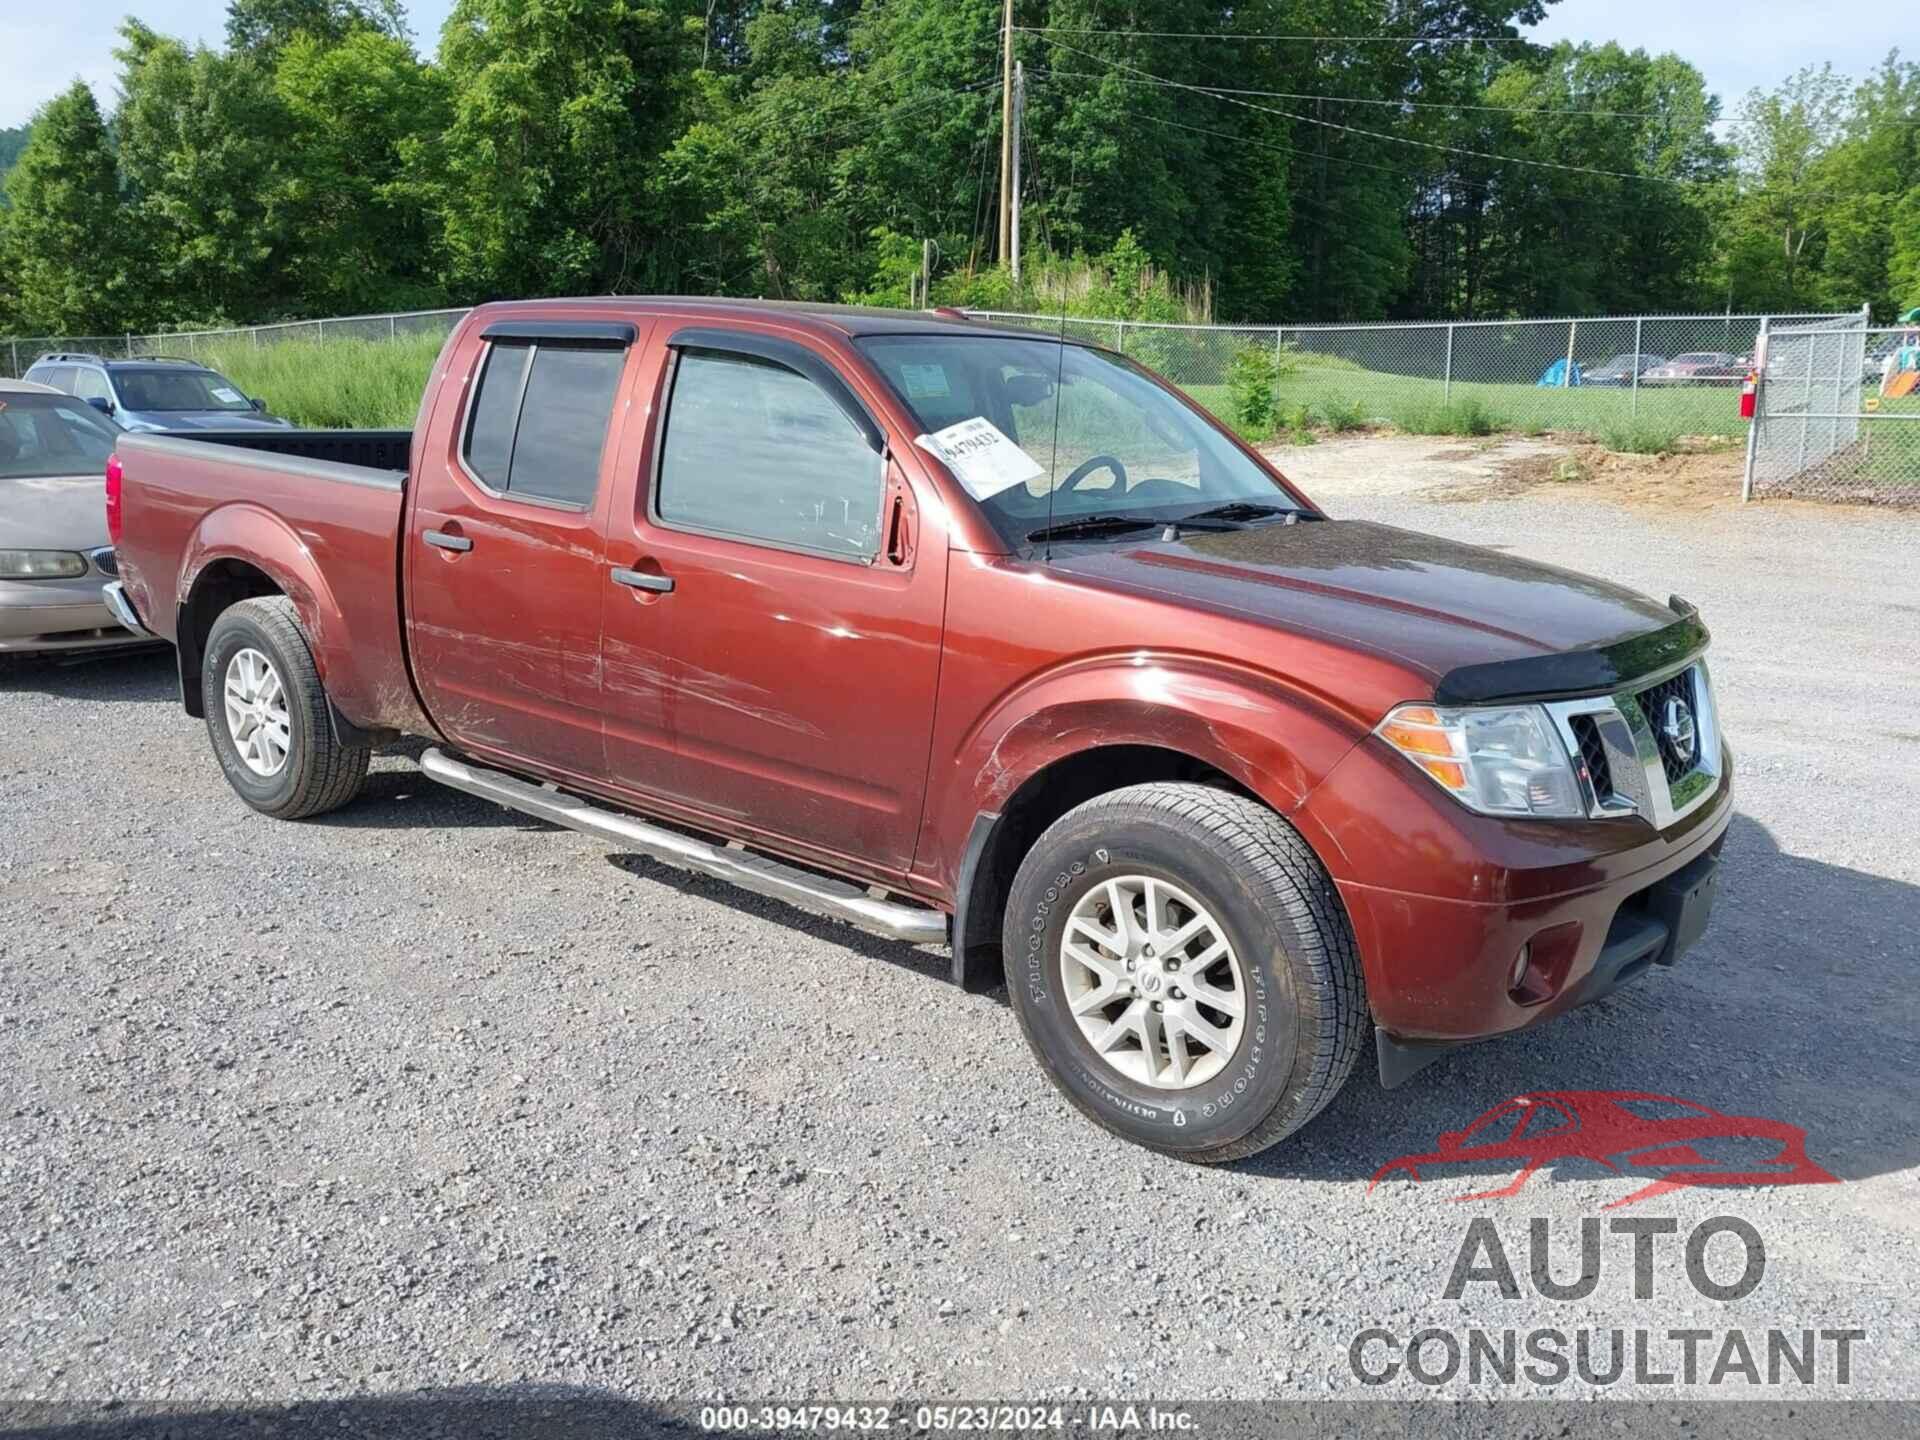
[740, 867]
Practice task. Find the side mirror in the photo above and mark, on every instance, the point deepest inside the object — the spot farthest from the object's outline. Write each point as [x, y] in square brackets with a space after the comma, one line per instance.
[258, 404]
[101, 403]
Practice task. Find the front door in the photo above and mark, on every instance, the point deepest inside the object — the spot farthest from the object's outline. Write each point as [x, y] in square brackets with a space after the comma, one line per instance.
[773, 626]
[505, 572]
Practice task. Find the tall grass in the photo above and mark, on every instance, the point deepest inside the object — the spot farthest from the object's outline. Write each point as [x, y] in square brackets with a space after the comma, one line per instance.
[333, 384]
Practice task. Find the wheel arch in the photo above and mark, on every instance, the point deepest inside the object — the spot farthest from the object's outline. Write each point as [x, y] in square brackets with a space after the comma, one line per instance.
[217, 586]
[998, 840]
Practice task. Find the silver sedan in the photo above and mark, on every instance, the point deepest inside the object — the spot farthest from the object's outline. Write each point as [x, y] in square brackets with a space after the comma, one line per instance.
[54, 555]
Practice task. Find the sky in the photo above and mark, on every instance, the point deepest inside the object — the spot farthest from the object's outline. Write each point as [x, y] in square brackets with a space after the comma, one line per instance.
[1739, 44]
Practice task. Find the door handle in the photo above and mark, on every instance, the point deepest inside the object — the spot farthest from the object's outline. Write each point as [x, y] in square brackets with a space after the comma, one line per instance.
[441, 540]
[641, 580]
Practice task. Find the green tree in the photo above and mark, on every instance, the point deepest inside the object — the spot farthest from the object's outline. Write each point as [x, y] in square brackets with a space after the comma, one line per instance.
[365, 119]
[204, 142]
[12, 142]
[560, 110]
[1774, 233]
[264, 26]
[64, 245]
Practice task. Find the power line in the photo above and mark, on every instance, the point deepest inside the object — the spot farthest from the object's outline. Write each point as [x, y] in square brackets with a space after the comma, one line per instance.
[1434, 104]
[1449, 182]
[1377, 134]
[1308, 39]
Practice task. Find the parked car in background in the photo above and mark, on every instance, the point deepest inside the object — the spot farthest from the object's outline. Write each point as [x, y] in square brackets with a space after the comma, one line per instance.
[967, 634]
[155, 392]
[1700, 367]
[54, 555]
[1621, 369]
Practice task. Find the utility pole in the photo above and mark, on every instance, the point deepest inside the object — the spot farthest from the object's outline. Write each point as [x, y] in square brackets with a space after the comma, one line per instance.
[1006, 131]
[926, 274]
[1019, 121]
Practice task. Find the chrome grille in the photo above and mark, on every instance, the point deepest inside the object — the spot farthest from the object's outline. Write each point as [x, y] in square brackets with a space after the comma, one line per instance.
[1653, 705]
[1629, 765]
[1593, 754]
[105, 561]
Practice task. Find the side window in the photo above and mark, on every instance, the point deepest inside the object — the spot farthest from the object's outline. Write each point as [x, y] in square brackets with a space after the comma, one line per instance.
[757, 451]
[539, 421]
[91, 385]
[60, 377]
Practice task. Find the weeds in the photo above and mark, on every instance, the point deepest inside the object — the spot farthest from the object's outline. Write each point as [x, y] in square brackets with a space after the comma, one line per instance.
[1640, 439]
[326, 384]
[1251, 376]
[1344, 415]
[1468, 418]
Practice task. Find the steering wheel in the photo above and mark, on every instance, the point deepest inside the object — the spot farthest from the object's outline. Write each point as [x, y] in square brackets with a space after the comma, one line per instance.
[1087, 467]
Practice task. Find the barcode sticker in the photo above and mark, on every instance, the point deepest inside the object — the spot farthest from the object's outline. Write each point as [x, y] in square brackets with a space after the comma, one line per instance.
[983, 458]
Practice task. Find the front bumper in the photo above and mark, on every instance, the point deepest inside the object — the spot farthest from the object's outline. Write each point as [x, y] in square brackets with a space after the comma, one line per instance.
[1654, 926]
[1451, 898]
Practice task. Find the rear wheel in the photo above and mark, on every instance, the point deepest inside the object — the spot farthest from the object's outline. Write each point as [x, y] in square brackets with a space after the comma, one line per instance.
[1184, 970]
[267, 714]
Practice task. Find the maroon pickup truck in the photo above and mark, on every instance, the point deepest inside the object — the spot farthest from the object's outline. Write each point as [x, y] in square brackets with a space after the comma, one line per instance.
[967, 635]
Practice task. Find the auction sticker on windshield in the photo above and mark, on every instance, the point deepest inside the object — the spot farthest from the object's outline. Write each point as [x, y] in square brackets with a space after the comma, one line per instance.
[986, 461]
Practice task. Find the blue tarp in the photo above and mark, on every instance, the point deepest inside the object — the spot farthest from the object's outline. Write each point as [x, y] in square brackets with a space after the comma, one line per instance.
[1557, 374]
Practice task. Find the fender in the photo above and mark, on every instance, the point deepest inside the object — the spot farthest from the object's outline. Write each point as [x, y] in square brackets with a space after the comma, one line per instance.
[1269, 736]
[254, 536]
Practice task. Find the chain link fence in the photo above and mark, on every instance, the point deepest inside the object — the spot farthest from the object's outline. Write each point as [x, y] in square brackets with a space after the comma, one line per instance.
[18, 353]
[1636, 381]
[1834, 419]
[1837, 416]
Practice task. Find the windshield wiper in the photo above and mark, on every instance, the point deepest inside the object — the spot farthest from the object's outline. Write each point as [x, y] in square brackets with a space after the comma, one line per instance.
[1239, 510]
[1093, 525]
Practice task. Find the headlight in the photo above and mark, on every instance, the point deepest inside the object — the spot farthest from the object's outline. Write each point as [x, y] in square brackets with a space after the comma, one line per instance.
[1499, 760]
[41, 564]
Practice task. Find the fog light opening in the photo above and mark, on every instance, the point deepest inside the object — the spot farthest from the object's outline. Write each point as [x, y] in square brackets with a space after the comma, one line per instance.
[1521, 962]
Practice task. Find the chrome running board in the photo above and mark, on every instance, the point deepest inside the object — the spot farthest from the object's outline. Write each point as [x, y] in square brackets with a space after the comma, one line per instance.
[739, 867]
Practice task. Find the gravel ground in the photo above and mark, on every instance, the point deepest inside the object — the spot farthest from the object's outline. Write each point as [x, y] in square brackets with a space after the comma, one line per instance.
[425, 1095]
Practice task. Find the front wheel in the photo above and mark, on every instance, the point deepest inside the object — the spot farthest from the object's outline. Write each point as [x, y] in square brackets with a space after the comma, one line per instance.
[1183, 968]
[267, 714]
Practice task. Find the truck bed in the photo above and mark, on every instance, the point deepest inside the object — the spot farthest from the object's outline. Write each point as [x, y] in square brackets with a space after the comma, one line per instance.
[371, 449]
[203, 511]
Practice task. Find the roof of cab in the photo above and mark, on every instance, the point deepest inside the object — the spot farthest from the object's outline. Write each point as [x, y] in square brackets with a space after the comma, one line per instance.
[31, 386]
[848, 320]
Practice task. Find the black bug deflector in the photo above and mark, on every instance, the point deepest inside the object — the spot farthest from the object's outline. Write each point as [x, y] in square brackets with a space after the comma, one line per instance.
[1599, 671]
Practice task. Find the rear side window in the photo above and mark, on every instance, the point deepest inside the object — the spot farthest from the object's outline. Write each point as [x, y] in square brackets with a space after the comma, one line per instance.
[757, 451]
[60, 377]
[539, 421]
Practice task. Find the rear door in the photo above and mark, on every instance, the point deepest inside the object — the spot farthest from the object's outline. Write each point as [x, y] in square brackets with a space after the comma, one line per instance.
[505, 571]
[773, 622]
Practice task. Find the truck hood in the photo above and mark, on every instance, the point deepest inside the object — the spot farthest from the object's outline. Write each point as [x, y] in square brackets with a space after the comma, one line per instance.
[1429, 603]
[62, 512]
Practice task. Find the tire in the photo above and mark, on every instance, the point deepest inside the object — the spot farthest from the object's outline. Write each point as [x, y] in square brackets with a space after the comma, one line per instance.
[1290, 959]
[316, 773]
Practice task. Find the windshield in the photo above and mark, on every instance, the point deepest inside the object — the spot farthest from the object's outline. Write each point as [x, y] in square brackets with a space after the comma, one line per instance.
[1043, 434]
[178, 390]
[51, 435]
